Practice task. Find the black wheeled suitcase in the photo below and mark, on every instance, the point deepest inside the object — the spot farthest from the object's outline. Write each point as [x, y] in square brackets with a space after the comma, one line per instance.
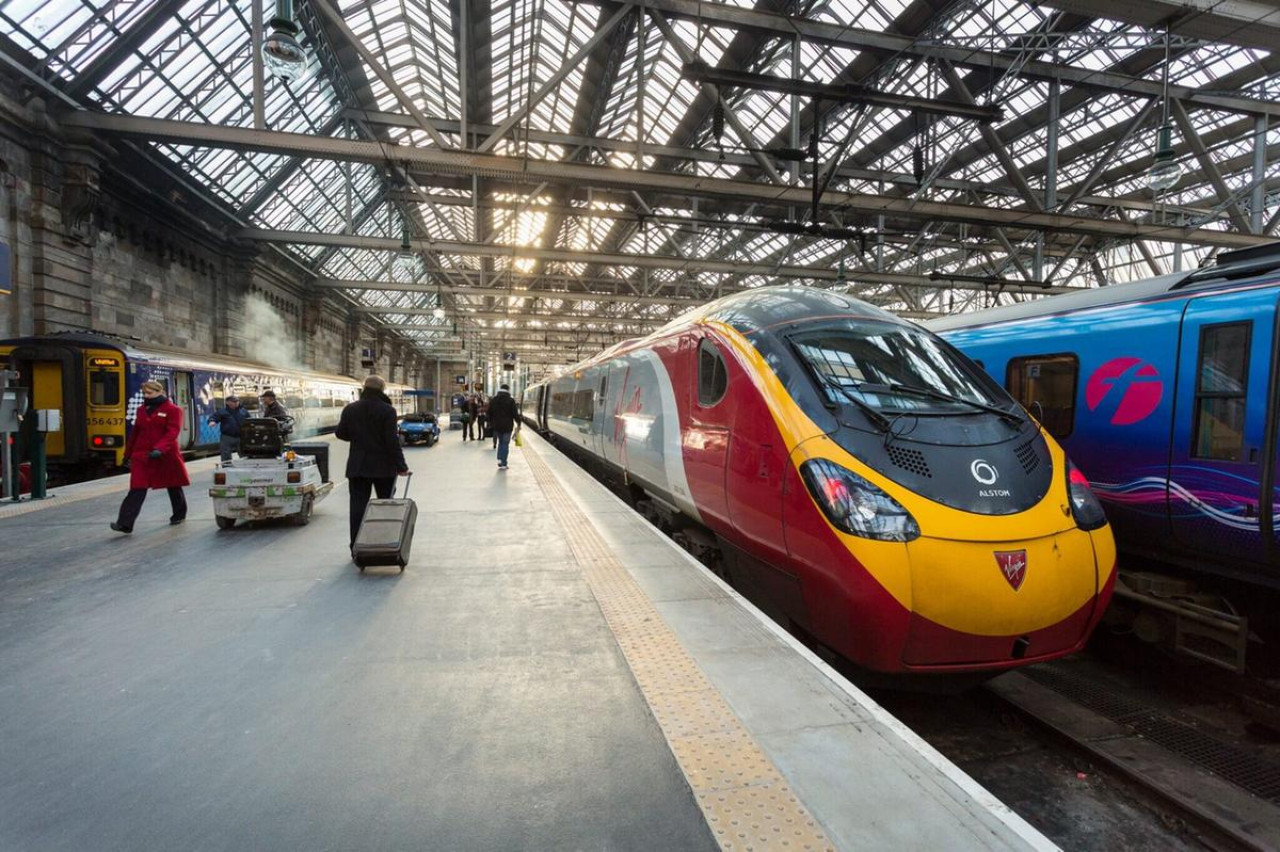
[386, 533]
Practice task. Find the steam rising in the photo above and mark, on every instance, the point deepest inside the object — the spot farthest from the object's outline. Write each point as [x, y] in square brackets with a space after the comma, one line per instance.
[270, 337]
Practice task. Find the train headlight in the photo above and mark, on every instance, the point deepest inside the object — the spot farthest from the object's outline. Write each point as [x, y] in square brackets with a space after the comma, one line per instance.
[1085, 507]
[855, 505]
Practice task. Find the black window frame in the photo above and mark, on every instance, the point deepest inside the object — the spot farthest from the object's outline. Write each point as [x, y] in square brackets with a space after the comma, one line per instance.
[1075, 387]
[117, 381]
[1197, 395]
[719, 370]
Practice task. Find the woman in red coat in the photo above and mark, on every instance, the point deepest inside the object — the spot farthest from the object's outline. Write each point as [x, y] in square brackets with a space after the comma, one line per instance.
[152, 455]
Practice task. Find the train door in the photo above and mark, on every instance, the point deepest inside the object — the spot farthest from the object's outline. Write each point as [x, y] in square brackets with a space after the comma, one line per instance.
[52, 372]
[706, 442]
[181, 396]
[601, 414]
[1220, 449]
[47, 391]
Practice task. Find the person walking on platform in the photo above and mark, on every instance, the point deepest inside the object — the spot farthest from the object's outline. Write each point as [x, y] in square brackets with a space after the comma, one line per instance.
[470, 411]
[229, 420]
[369, 424]
[153, 458]
[502, 416]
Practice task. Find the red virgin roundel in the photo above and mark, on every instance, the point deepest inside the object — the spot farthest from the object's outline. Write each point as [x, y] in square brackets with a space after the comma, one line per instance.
[1129, 387]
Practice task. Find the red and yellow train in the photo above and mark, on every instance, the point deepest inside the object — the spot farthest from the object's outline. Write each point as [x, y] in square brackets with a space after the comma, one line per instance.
[853, 474]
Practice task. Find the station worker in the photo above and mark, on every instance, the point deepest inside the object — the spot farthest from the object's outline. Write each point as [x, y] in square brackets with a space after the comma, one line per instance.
[153, 458]
[375, 460]
[229, 420]
[502, 417]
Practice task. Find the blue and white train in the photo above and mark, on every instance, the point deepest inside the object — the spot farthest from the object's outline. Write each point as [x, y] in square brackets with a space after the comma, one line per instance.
[1164, 392]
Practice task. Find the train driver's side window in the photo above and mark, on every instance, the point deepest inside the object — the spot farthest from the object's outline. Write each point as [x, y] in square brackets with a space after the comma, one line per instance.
[1046, 387]
[713, 377]
[104, 388]
[1222, 384]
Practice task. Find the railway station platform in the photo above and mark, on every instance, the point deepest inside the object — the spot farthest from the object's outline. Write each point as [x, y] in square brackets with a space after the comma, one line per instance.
[549, 673]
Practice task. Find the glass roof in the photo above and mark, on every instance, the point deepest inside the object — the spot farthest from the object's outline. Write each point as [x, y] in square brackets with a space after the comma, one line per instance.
[623, 103]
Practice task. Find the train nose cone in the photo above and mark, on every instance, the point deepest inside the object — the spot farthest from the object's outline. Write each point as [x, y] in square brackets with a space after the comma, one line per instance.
[994, 601]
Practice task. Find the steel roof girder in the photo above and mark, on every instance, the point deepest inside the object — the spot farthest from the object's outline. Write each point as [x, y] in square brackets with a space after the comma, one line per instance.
[465, 163]
[837, 35]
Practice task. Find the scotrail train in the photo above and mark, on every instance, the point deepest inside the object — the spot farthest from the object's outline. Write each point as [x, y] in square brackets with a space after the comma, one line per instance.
[1165, 392]
[855, 475]
[96, 379]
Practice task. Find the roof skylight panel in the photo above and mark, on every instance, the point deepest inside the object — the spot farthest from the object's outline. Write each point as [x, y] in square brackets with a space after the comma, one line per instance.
[37, 24]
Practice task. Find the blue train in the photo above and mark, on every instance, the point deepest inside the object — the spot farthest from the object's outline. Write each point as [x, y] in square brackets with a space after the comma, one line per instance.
[95, 380]
[1164, 393]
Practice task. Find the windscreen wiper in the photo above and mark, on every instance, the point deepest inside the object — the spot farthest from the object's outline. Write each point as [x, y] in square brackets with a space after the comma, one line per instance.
[912, 390]
[877, 419]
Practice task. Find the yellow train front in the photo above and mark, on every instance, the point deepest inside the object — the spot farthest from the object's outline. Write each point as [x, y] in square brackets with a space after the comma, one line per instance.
[871, 486]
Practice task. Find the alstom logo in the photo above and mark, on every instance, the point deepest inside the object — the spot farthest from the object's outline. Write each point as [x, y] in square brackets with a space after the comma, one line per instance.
[1129, 388]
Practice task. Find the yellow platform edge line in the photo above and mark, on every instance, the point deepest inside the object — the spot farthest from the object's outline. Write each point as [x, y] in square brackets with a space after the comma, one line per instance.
[744, 798]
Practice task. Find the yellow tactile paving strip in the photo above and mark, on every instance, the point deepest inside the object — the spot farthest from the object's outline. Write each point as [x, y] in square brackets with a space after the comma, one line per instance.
[746, 802]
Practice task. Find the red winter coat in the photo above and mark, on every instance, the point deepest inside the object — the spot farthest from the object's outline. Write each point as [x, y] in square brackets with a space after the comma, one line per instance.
[157, 430]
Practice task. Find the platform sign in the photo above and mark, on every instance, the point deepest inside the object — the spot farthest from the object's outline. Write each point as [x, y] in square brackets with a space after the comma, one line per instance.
[459, 380]
[6, 270]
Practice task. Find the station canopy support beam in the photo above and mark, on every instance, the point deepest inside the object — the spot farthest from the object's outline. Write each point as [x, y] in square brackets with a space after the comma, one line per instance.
[519, 169]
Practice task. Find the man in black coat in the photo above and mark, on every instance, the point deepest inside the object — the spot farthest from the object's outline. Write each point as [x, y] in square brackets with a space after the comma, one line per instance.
[502, 416]
[376, 458]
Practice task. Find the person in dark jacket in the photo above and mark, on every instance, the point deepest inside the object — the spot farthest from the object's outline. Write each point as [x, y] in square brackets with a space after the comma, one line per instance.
[153, 457]
[502, 416]
[376, 459]
[470, 412]
[229, 420]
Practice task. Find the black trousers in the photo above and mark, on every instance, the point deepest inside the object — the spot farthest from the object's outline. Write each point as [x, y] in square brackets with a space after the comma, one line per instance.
[132, 505]
[360, 487]
[468, 430]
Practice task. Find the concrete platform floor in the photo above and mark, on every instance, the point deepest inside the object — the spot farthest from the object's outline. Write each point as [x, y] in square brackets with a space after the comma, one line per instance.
[189, 688]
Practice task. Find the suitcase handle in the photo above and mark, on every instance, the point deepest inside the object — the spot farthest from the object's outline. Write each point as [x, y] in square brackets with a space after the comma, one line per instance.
[406, 484]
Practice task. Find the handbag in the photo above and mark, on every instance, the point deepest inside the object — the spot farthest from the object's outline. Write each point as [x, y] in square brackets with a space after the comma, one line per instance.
[466, 418]
[517, 440]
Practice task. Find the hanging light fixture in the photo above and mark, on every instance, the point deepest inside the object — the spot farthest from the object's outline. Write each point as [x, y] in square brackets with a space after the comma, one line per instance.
[281, 52]
[438, 311]
[1165, 170]
[406, 261]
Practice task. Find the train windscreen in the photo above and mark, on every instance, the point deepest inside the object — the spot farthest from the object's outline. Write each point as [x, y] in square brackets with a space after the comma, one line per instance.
[894, 368]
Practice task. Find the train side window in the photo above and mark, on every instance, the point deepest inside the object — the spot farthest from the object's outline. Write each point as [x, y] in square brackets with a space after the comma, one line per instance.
[713, 378]
[104, 388]
[1222, 384]
[1049, 380]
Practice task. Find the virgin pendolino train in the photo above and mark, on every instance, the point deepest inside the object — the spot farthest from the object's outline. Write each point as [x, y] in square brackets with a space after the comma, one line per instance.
[96, 380]
[858, 478]
[1166, 392]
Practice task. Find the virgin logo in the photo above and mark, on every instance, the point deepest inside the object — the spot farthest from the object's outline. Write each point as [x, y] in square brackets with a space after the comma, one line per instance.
[1128, 388]
[1013, 565]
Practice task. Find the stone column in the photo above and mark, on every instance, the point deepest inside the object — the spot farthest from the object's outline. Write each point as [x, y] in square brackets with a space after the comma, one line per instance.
[314, 353]
[66, 189]
[351, 346]
[230, 334]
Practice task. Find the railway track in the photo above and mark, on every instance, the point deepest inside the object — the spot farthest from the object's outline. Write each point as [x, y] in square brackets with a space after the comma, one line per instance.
[1227, 794]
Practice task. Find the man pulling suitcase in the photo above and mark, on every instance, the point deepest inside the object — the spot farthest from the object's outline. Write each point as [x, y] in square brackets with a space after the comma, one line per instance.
[369, 424]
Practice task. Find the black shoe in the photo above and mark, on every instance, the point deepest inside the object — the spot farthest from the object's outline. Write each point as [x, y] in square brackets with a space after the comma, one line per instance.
[120, 529]
[173, 522]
